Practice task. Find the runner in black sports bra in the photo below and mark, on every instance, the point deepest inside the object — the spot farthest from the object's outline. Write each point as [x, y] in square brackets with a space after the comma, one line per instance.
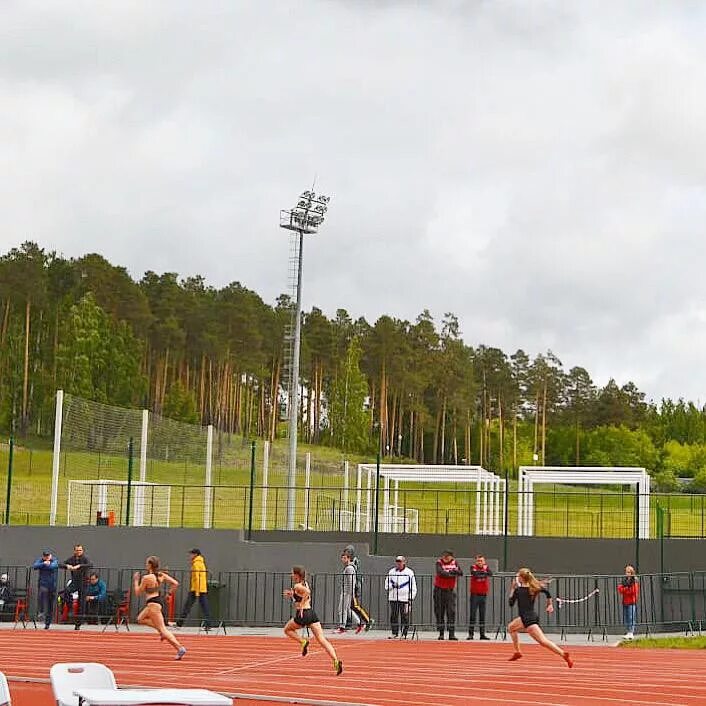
[304, 616]
[152, 614]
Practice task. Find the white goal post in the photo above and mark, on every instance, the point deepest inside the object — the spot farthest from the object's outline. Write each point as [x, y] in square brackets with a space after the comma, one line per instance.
[580, 475]
[89, 500]
[490, 490]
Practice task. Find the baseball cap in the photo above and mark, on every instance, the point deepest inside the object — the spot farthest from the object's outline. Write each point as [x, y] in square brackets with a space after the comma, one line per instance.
[400, 558]
[46, 552]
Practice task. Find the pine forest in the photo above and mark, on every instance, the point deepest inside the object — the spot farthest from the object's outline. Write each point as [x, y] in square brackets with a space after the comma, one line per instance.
[414, 389]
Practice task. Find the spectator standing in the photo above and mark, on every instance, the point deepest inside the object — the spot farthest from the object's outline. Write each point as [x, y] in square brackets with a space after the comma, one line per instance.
[629, 589]
[355, 560]
[48, 568]
[96, 595]
[7, 597]
[358, 588]
[480, 585]
[348, 603]
[447, 573]
[198, 589]
[79, 565]
[401, 587]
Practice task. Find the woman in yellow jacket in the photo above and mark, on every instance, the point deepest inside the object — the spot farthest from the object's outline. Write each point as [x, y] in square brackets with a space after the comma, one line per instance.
[198, 589]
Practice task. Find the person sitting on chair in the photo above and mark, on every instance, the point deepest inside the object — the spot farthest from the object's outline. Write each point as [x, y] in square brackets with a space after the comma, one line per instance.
[7, 598]
[96, 595]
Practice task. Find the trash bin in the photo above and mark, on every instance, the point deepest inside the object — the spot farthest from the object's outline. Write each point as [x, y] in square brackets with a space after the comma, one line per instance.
[215, 598]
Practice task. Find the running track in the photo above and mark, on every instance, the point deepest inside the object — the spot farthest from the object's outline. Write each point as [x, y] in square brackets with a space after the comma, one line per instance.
[379, 672]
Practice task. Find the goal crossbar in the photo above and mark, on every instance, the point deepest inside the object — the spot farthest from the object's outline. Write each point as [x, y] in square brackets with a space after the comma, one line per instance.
[529, 476]
[490, 491]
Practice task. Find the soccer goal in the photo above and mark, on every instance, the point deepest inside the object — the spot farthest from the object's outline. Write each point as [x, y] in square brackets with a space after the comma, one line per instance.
[89, 502]
[401, 519]
[581, 475]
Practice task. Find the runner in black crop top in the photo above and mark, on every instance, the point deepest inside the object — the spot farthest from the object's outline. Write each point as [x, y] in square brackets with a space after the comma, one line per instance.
[524, 591]
[525, 604]
[304, 616]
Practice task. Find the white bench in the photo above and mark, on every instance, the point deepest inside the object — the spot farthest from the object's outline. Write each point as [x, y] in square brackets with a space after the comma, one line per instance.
[148, 697]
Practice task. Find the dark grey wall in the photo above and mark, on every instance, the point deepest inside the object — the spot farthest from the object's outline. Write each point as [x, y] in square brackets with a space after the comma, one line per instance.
[252, 593]
[226, 550]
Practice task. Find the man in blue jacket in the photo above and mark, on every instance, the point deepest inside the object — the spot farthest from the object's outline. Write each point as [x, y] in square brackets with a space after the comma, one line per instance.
[96, 595]
[48, 568]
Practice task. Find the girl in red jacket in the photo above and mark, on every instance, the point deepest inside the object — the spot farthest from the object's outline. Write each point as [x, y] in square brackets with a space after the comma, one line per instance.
[629, 589]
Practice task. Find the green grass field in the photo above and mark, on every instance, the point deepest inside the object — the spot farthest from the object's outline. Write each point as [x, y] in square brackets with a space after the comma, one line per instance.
[683, 643]
[440, 508]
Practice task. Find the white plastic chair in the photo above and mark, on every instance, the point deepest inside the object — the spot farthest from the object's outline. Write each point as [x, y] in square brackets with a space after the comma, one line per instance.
[66, 677]
[5, 699]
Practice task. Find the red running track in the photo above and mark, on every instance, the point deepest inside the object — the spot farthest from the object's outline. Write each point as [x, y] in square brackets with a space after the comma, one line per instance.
[379, 672]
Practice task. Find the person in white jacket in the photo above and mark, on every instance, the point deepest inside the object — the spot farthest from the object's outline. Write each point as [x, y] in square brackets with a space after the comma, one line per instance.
[401, 587]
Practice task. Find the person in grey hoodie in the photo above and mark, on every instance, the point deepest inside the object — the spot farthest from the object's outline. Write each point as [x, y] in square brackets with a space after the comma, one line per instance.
[348, 603]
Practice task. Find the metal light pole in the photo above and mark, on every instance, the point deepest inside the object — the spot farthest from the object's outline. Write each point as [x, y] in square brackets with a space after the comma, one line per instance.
[304, 218]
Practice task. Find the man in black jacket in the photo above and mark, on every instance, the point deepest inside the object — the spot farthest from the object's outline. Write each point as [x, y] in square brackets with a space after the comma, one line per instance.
[78, 564]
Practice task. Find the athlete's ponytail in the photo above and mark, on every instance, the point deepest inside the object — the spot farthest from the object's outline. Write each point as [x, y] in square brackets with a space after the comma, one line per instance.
[153, 563]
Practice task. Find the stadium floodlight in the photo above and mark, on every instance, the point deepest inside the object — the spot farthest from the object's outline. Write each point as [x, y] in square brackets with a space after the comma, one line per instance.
[304, 218]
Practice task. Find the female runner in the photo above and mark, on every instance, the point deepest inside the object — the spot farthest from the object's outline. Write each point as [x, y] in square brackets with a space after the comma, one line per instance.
[152, 614]
[300, 593]
[525, 589]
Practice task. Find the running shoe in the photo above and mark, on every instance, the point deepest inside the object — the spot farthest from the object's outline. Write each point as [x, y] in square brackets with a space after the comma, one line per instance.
[180, 653]
[360, 629]
[568, 660]
[305, 647]
[369, 624]
[339, 631]
[515, 657]
[337, 666]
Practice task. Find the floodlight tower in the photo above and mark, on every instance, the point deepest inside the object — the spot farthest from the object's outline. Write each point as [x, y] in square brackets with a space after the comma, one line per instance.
[304, 218]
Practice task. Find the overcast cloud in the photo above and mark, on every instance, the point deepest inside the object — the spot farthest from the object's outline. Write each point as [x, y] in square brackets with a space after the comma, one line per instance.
[537, 168]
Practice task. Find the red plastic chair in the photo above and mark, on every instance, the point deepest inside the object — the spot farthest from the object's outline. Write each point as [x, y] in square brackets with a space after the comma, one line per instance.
[170, 601]
[122, 611]
[65, 610]
[22, 598]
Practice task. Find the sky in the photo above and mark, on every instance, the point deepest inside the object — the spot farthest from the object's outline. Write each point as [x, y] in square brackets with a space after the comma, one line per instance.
[536, 168]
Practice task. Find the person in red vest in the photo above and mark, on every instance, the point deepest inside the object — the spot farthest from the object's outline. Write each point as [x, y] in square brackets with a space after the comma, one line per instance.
[447, 573]
[480, 585]
[629, 589]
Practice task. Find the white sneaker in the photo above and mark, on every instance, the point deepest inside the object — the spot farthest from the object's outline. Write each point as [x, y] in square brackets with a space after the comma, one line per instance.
[629, 636]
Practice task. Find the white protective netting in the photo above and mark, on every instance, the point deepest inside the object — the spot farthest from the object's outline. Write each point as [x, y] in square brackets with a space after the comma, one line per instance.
[94, 445]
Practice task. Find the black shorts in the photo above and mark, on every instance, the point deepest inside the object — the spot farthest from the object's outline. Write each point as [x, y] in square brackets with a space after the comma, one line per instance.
[529, 619]
[156, 599]
[305, 617]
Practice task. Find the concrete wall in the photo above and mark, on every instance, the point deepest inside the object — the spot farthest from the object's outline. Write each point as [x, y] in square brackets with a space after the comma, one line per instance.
[226, 550]
[255, 573]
